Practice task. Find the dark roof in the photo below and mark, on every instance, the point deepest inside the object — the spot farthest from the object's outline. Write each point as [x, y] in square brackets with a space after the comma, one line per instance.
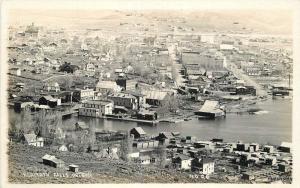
[139, 130]
[182, 156]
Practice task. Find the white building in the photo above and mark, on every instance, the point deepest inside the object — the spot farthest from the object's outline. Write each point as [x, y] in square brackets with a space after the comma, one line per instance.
[226, 47]
[182, 162]
[96, 108]
[208, 39]
[107, 86]
[33, 140]
[54, 86]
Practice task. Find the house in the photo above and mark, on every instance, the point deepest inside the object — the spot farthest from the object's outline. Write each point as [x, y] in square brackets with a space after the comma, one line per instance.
[270, 160]
[26, 105]
[83, 94]
[49, 101]
[141, 101]
[255, 146]
[80, 126]
[204, 166]
[73, 168]
[33, 140]
[15, 71]
[242, 147]
[96, 108]
[285, 147]
[248, 176]
[68, 68]
[268, 149]
[90, 70]
[144, 160]
[181, 161]
[52, 87]
[123, 99]
[282, 167]
[138, 132]
[129, 85]
[106, 87]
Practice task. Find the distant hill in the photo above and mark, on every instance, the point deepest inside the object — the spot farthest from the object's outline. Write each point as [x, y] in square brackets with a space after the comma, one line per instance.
[248, 21]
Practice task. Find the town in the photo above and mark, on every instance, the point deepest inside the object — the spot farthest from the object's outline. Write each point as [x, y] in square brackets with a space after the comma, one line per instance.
[148, 78]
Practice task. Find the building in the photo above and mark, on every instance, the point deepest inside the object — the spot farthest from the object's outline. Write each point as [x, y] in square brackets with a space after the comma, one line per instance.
[155, 97]
[53, 161]
[268, 149]
[211, 110]
[106, 87]
[147, 115]
[15, 71]
[285, 147]
[204, 166]
[128, 85]
[270, 160]
[31, 31]
[210, 39]
[138, 132]
[83, 94]
[49, 101]
[226, 47]
[144, 160]
[123, 99]
[96, 108]
[253, 71]
[283, 167]
[181, 161]
[33, 140]
[73, 168]
[52, 87]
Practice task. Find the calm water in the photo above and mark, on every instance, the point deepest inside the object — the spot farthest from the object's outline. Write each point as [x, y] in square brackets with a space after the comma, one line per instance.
[272, 127]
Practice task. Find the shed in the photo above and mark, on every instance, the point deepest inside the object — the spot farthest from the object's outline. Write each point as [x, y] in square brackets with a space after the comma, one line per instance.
[138, 132]
[73, 168]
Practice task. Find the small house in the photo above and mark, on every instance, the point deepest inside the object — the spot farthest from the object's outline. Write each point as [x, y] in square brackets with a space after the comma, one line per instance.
[73, 168]
[144, 160]
[204, 166]
[49, 101]
[15, 71]
[33, 140]
[268, 149]
[181, 161]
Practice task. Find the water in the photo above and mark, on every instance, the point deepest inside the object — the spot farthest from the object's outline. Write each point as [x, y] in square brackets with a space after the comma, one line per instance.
[273, 126]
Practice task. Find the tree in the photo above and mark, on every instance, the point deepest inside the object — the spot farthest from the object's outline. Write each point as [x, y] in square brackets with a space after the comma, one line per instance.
[126, 147]
[26, 122]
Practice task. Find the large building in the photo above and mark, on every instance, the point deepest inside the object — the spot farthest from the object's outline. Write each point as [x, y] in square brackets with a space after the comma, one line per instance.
[106, 87]
[83, 94]
[96, 108]
[124, 99]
